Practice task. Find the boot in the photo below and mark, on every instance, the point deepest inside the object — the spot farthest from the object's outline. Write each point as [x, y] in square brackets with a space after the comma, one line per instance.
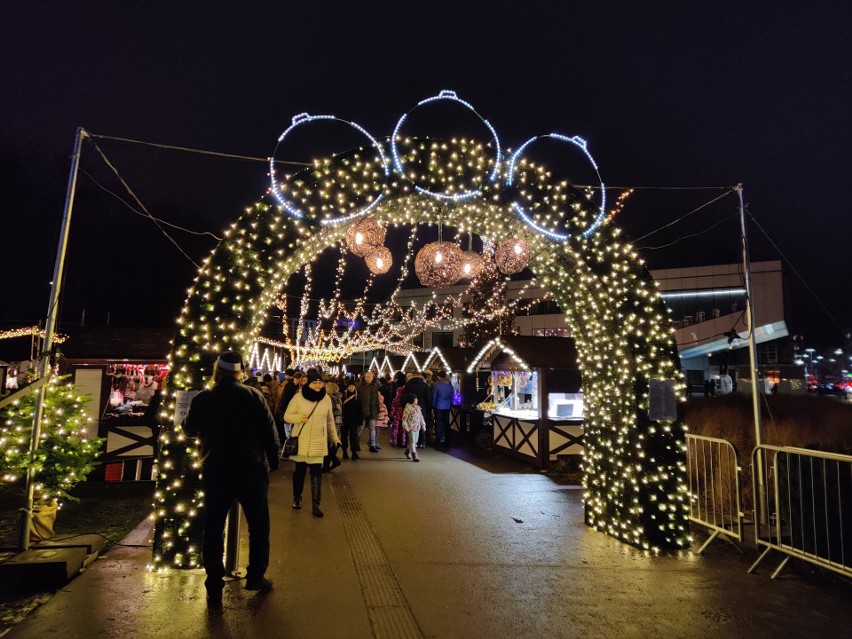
[316, 496]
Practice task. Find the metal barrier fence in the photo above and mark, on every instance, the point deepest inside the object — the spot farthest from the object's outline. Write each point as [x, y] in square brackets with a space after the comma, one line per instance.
[714, 487]
[805, 510]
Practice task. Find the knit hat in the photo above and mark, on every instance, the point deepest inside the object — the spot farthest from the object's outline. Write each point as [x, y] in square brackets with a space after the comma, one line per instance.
[313, 375]
[442, 374]
[230, 361]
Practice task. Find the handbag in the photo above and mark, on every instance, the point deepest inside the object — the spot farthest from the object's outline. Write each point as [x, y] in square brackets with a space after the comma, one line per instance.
[291, 444]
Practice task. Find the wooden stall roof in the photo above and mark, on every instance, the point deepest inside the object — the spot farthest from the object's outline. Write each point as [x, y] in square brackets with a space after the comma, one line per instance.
[149, 345]
[451, 358]
[536, 352]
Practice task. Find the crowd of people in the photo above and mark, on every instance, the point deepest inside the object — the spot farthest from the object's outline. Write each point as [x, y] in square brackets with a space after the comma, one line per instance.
[241, 432]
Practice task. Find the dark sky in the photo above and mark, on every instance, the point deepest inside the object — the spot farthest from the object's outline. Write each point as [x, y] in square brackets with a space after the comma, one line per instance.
[708, 94]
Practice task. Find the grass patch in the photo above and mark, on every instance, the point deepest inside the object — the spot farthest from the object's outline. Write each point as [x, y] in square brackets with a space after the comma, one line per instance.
[112, 509]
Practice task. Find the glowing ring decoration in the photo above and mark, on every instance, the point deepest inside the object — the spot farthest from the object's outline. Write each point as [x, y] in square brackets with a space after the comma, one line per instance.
[445, 95]
[292, 209]
[525, 216]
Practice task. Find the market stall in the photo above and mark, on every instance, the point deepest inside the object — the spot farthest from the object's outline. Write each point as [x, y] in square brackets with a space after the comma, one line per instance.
[534, 396]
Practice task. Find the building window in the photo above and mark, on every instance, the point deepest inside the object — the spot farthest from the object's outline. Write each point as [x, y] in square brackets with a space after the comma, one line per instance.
[442, 338]
[552, 332]
[767, 353]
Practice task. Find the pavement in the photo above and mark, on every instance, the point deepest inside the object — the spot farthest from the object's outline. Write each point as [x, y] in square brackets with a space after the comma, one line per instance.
[464, 544]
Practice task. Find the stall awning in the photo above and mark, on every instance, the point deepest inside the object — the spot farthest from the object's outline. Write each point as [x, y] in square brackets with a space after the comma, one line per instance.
[524, 352]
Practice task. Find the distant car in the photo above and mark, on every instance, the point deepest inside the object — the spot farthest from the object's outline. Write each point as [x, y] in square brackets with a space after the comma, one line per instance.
[838, 390]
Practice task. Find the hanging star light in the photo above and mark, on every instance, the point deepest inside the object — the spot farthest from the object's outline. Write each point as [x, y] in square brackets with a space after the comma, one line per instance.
[512, 255]
[379, 261]
[439, 264]
[365, 236]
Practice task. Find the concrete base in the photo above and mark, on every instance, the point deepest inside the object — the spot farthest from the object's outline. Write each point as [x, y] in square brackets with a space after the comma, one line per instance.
[43, 568]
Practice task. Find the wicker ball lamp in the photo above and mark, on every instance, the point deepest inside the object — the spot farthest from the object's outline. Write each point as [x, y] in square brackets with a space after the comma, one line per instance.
[512, 255]
[365, 236]
[471, 264]
[439, 264]
[379, 261]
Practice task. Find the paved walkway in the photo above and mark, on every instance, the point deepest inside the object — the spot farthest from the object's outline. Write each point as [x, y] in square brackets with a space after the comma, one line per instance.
[459, 545]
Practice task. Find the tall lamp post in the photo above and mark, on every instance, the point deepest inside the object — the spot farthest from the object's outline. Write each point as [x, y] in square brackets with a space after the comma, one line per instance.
[47, 344]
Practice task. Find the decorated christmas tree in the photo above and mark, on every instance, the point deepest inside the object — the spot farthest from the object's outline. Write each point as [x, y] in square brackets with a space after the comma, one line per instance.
[490, 313]
[65, 455]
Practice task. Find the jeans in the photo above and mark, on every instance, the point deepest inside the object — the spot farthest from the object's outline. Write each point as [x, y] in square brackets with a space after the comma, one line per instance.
[442, 423]
[412, 443]
[371, 423]
[250, 488]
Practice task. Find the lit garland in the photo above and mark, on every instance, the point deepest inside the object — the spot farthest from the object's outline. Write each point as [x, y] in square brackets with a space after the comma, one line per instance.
[29, 331]
[634, 470]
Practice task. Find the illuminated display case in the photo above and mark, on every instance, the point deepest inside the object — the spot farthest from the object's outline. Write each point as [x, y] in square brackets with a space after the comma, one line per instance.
[534, 396]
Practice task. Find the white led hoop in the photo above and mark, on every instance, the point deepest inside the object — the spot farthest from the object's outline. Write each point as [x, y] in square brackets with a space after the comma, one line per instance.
[397, 162]
[526, 217]
[292, 209]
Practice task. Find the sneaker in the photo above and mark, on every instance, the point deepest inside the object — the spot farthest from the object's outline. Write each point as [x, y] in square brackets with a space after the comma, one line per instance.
[261, 584]
[417, 459]
[408, 453]
[374, 449]
[297, 504]
[355, 456]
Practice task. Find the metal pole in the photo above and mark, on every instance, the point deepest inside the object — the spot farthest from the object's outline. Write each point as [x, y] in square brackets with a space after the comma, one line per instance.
[47, 344]
[232, 540]
[752, 349]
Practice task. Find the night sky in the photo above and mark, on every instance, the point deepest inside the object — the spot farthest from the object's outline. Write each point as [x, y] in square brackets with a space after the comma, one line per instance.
[704, 95]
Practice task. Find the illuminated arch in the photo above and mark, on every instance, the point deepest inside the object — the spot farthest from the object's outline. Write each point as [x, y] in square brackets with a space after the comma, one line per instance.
[635, 488]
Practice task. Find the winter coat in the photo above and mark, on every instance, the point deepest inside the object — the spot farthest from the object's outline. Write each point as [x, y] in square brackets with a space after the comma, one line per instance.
[317, 433]
[412, 418]
[368, 394]
[396, 407]
[382, 419]
[235, 427]
[442, 395]
[336, 402]
[353, 415]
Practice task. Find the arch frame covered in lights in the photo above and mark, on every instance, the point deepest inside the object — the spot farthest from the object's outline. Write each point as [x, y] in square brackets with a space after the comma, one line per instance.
[634, 469]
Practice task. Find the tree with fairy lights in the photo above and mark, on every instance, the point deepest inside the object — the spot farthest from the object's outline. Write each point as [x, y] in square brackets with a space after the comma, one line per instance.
[492, 315]
[65, 455]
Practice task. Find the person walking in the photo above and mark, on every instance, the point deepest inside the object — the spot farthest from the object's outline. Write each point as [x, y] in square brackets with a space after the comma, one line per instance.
[312, 416]
[239, 447]
[353, 418]
[442, 402]
[418, 387]
[368, 395]
[412, 423]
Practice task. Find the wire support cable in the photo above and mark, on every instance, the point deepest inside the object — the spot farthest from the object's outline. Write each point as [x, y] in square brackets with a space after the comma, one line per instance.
[686, 237]
[142, 206]
[186, 149]
[796, 271]
[686, 215]
[142, 214]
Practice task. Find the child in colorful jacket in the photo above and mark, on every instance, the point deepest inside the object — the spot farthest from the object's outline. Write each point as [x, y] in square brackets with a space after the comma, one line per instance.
[412, 423]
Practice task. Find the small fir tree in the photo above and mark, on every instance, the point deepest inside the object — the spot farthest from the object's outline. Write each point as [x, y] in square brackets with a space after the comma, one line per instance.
[65, 455]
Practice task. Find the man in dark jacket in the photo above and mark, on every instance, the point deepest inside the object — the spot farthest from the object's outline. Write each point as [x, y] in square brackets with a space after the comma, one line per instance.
[368, 395]
[239, 446]
[442, 402]
[418, 387]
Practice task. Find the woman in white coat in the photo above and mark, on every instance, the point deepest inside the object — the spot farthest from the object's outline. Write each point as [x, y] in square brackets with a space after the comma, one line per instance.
[311, 413]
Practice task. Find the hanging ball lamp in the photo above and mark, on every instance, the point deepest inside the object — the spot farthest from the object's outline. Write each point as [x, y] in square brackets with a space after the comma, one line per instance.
[364, 236]
[439, 264]
[472, 263]
[512, 255]
[379, 261]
